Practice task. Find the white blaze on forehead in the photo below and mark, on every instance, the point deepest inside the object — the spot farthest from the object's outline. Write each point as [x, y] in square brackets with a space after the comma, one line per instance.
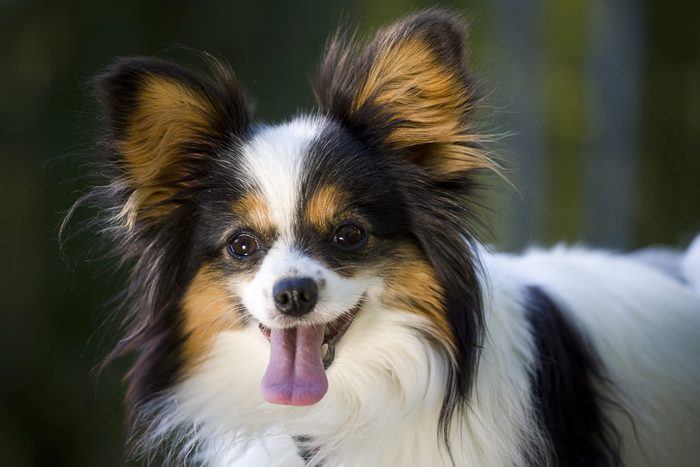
[273, 162]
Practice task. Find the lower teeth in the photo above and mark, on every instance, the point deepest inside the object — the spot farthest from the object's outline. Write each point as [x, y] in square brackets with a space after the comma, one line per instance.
[324, 349]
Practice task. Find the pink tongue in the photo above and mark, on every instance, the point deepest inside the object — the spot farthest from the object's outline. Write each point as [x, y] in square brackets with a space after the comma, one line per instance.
[295, 374]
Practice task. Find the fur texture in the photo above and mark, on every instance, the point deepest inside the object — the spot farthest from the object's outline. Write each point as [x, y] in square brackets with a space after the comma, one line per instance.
[433, 350]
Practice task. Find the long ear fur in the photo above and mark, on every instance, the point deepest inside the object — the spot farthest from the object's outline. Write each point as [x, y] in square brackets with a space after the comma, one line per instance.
[165, 130]
[164, 123]
[408, 92]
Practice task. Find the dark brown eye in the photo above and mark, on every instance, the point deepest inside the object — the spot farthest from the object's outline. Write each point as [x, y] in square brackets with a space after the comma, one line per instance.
[243, 245]
[350, 237]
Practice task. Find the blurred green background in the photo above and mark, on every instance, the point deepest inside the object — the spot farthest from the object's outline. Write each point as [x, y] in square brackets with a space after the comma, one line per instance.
[598, 103]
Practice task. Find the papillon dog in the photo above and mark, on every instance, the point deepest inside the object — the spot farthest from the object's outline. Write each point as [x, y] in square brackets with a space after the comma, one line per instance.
[313, 293]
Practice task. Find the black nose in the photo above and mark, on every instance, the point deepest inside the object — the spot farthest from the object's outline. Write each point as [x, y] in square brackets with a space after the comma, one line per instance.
[295, 296]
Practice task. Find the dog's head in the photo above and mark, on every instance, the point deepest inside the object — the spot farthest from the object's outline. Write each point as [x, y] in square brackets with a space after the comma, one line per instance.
[296, 231]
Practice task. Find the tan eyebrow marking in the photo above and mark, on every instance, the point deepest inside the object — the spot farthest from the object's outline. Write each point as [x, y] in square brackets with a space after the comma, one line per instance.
[325, 205]
[254, 212]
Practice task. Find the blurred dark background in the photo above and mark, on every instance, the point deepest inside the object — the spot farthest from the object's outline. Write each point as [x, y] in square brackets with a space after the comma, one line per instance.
[598, 103]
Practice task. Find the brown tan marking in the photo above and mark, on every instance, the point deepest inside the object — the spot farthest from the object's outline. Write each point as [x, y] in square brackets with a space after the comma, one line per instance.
[208, 308]
[325, 206]
[413, 84]
[411, 74]
[411, 285]
[167, 116]
[252, 211]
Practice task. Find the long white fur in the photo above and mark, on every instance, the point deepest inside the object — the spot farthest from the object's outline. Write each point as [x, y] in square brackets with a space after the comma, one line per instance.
[387, 382]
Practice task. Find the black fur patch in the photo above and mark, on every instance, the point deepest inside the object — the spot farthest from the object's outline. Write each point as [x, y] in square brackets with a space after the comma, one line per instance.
[566, 391]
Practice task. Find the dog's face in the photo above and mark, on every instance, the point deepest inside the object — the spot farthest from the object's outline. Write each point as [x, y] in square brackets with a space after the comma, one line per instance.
[311, 226]
[286, 236]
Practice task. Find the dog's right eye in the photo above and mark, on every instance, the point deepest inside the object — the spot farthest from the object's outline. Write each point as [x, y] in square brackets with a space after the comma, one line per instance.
[350, 237]
[242, 245]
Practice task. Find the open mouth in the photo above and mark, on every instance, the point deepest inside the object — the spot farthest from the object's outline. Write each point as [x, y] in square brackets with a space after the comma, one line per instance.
[332, 333]
[299, 358]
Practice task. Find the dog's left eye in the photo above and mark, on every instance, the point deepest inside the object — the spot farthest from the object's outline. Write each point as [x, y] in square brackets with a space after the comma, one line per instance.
[350, 237]
[242, 245]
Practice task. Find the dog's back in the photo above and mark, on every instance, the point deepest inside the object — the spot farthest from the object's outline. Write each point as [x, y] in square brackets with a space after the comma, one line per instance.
[643, 323]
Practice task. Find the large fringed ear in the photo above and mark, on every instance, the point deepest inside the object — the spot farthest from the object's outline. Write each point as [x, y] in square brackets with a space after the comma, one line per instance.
[163, 125]
[407, 91]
